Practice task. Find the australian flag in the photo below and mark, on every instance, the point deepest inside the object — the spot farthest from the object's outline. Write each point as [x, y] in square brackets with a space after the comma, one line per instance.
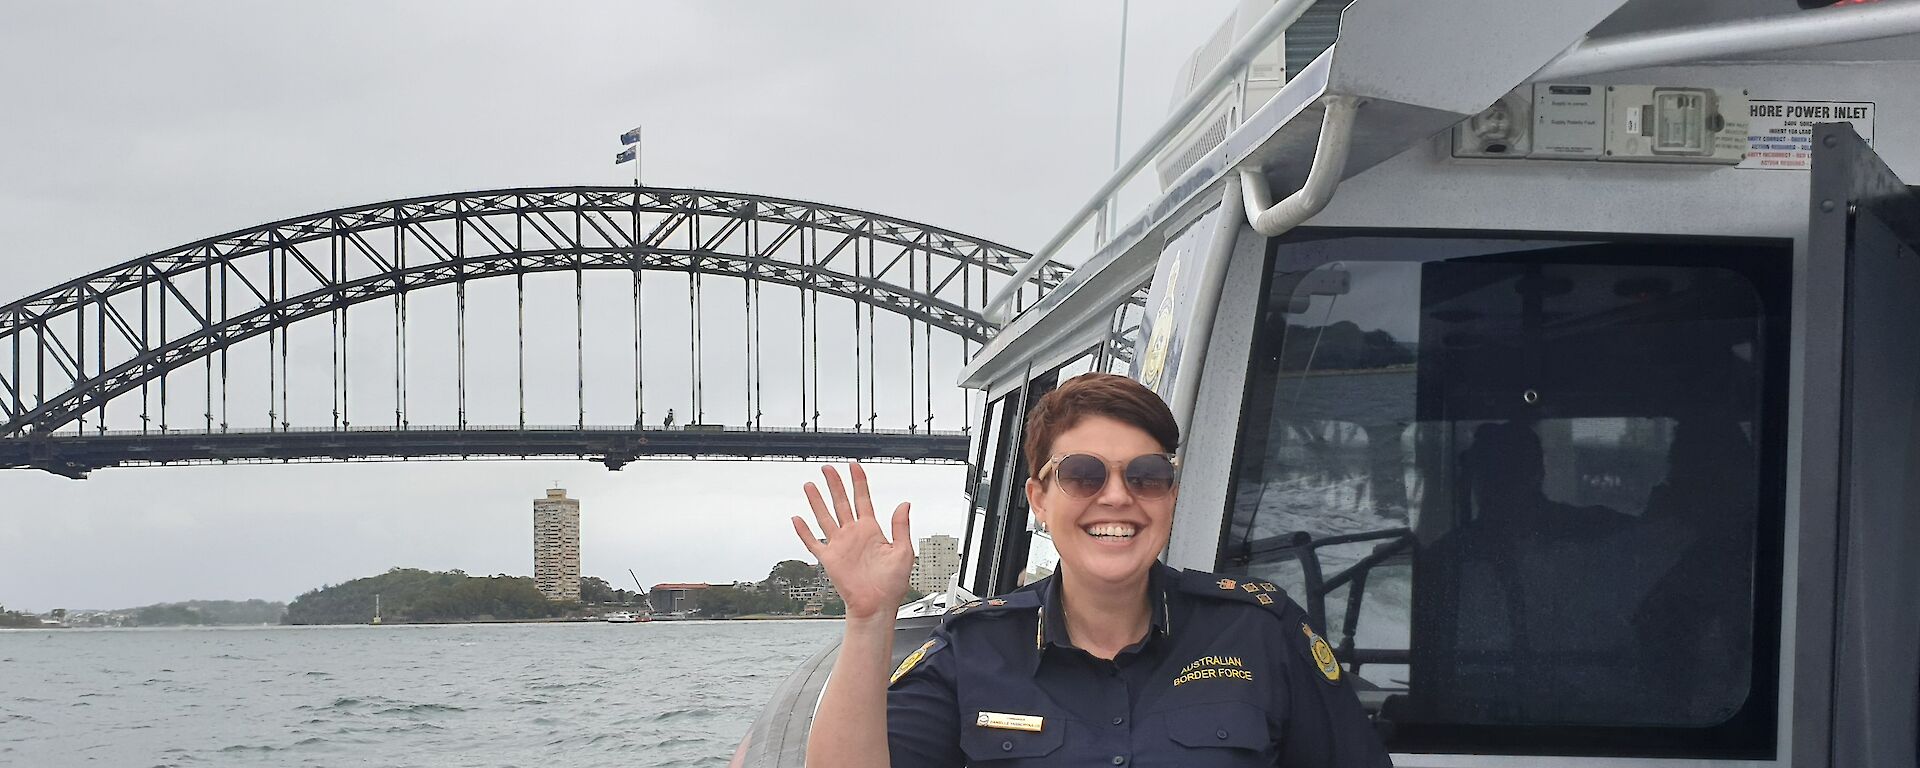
[630, 137]
[626, 155]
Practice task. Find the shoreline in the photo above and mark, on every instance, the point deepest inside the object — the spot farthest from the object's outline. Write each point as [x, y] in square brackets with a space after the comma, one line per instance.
[450, 622]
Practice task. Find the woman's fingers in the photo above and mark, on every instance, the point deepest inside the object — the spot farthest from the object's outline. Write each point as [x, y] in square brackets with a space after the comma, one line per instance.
[902, 531]
[842, 511]
[820, 514]
[806, 536]
[862, 498]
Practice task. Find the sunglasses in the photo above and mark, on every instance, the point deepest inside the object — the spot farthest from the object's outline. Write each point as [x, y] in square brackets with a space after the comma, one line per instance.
[1082, 475]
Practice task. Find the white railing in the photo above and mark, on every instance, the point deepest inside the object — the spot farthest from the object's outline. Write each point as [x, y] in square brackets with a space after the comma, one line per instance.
[1229, 73]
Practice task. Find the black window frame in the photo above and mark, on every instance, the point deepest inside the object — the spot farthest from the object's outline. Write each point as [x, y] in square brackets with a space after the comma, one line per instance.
[1752, 733]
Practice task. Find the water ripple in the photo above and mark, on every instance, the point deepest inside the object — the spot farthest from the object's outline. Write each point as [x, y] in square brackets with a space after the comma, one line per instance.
[540, 696]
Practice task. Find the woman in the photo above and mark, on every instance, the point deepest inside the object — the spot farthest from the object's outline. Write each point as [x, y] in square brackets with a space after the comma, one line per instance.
[1114, 660]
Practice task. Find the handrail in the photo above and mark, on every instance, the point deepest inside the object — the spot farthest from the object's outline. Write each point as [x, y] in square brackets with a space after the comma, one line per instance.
[1264, 32]
[1784, 31]
[1329, 166]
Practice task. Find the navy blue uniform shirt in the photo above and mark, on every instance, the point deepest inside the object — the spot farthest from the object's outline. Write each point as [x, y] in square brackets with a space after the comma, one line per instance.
[1230, 673]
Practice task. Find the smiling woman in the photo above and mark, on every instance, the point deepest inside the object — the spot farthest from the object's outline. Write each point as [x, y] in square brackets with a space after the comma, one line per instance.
[1114, 659]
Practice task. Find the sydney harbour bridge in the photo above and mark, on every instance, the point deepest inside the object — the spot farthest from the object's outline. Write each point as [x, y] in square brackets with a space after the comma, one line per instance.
[609, 323]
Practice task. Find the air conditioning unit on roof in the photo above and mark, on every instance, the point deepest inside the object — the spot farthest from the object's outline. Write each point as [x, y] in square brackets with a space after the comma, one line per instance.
[1308, 36]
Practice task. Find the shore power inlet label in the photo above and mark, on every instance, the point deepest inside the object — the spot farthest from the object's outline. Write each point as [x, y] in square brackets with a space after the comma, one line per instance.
[1780, 136]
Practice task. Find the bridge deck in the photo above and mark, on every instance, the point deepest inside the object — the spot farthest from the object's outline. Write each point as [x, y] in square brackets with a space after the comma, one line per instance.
[75, 455]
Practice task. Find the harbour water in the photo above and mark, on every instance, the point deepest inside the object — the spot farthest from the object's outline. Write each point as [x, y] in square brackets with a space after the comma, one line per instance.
[549, 695]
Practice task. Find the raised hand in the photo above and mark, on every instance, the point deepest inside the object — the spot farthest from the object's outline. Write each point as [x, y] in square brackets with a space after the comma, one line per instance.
[869, 572]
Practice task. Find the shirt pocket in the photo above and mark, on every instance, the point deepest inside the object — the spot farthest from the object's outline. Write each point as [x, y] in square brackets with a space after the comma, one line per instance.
[1222, 728]
[1005, 747]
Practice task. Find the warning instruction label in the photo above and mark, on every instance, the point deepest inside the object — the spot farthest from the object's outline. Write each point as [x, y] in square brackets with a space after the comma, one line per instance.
[1781, 134]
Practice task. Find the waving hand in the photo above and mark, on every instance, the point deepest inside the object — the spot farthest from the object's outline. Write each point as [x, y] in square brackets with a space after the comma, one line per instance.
[869, 572]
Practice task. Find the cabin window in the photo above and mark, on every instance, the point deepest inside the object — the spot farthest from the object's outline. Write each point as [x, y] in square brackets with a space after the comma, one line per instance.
[1531, 487]
[1042, 559]
[988, 444]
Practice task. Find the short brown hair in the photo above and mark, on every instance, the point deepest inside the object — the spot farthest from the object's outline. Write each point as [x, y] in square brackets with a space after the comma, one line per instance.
[1096, 394]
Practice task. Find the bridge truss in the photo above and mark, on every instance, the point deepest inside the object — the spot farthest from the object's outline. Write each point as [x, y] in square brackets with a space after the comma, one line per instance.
[199, 354]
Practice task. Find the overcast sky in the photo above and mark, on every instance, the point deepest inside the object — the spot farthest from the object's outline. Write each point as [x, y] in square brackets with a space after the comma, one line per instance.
[132, 128]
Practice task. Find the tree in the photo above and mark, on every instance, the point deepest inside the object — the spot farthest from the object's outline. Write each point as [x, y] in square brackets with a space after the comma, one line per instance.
[412, 594]
[833, 607]
[17, 618]
[790, 573]
[166, 615]
[594, 589]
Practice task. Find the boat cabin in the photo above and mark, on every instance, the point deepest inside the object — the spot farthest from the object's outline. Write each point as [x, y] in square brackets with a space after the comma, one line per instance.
[1572, 382]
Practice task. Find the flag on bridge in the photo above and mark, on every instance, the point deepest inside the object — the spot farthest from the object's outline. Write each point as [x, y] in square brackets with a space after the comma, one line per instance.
[630, 137]
[626, 155]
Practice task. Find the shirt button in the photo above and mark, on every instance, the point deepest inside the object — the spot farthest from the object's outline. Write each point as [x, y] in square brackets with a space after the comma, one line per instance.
[1220, 734]
[1119, 720]
[1006, 746]
[1119, 759]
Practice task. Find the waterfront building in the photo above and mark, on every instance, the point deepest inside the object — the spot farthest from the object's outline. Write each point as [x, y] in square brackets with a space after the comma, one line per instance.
[936, 559]
[556, 545]
[673, 598]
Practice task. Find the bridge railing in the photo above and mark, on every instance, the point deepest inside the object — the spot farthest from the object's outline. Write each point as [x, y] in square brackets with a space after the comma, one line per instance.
[724, 428]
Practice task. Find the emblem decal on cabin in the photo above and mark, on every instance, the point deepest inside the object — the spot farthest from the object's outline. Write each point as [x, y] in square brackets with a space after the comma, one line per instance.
[1162, 339]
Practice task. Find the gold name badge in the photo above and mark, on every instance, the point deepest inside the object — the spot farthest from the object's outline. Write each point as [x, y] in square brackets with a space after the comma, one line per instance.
[1008, 722]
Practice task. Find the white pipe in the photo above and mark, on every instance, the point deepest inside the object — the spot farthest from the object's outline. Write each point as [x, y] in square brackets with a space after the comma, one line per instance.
[1779, 32]
[1276, 21]
[1329, 164]
[1206, 303]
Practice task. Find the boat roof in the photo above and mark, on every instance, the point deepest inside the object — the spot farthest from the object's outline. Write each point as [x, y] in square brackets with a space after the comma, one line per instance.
[1421, 67]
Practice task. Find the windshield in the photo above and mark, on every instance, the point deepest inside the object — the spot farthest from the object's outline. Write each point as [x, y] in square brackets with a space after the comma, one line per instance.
[1521, 482]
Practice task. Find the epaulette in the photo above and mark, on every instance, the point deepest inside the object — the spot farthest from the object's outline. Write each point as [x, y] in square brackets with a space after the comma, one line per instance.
[1262, 593]
[1312, 647]
[1025, 599]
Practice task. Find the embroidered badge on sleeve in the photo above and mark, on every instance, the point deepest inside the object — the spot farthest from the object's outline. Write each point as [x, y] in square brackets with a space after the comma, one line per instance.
[907, 664]
[1322, 655]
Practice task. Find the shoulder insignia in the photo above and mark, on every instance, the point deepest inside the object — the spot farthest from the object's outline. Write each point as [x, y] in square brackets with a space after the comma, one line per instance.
[907, 664]
[1214, 585]
[1008, 602]
[1322, 654]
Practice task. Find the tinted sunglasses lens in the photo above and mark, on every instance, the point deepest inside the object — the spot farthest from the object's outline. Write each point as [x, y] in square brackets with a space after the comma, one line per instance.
[1150, 476]
[1081, 475]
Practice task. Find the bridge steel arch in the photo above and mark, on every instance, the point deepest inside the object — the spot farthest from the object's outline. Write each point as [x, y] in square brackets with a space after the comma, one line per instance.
[101, 336]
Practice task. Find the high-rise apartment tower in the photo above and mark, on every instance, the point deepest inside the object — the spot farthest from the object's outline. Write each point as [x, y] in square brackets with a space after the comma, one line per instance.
[556, 545]
[936, 559]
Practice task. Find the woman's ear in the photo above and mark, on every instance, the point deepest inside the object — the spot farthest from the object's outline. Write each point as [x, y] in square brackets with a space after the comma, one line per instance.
[1036, 492]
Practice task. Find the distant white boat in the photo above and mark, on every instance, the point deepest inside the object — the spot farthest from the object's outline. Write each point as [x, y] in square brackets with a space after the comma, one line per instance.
[625, 617]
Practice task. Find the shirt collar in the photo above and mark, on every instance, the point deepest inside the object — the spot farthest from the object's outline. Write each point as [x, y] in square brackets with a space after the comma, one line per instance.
[1051, 625]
